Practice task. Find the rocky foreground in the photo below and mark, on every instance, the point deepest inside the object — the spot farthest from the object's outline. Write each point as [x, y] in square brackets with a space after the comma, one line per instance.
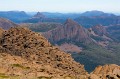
[28, 55]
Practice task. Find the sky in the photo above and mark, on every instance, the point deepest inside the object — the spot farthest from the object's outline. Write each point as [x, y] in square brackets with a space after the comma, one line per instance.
[60, 5]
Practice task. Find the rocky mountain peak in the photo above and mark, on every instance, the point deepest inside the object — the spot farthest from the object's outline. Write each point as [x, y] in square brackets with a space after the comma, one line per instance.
[69, 31]
[21, 40]
[70, 22]
[39, 15]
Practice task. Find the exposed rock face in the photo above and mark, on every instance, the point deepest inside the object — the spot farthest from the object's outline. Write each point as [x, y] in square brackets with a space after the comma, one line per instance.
[100, 35]
[70, 31]
[106, 72]
[6, 24]
[22, 45]
[100, 30]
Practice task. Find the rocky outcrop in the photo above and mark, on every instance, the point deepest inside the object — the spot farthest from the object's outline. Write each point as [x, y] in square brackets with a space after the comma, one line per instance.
[100, 35]
[25, 49]
[106, 72]
[100, 30]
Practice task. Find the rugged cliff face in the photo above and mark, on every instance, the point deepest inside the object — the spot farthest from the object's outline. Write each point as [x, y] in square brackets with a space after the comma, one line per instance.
[69, 32]
[99, 30]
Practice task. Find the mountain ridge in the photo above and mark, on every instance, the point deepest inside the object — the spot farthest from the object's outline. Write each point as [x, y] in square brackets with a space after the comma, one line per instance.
[65, 32]
[6, 24]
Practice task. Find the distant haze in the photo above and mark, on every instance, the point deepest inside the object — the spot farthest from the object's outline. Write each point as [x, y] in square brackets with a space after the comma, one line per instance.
[61, 5]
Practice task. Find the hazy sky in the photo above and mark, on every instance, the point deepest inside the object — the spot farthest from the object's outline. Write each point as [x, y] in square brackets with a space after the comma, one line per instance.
[60, 5]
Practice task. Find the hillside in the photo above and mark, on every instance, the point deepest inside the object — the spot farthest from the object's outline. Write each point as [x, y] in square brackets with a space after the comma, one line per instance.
[6, 24]
[33, 56]
[41, 27]
[114, 31]
[86, 19]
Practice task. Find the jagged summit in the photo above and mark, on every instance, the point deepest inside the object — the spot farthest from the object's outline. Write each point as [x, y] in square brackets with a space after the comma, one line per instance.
[69, 31]
[39, 15]
[70, 22]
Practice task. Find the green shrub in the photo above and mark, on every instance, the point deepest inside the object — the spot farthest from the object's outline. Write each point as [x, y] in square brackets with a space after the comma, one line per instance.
[20, 66]
[2, 75]
[43, 77]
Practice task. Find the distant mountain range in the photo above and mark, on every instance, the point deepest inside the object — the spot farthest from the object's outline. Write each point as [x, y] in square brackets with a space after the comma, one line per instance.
[92, 21]
[96, 13]
[15, 16]
[86, 19]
